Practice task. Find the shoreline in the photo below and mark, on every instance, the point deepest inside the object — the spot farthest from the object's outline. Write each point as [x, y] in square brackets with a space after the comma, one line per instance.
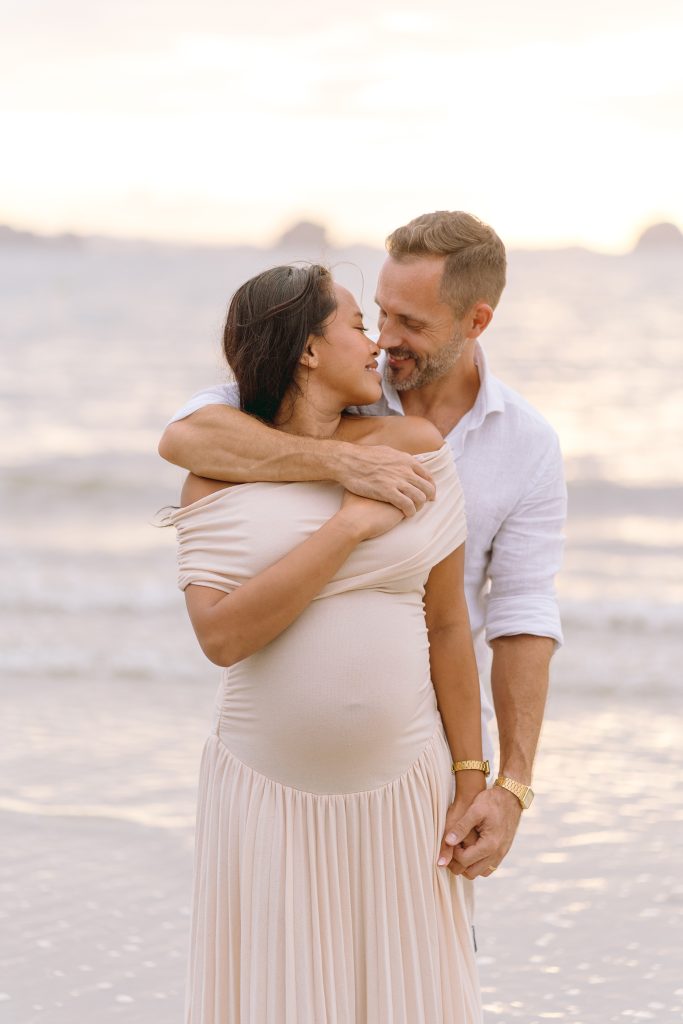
[97, 899]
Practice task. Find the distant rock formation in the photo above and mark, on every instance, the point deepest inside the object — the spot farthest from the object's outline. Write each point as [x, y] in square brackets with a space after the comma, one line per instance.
[660, 236]
[304, 236]
[10, 236]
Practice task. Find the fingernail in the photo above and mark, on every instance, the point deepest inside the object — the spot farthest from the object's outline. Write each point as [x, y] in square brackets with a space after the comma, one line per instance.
[451, 838]
[441, 861]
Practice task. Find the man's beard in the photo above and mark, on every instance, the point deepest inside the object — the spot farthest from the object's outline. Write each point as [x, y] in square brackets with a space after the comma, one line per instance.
[427, 368]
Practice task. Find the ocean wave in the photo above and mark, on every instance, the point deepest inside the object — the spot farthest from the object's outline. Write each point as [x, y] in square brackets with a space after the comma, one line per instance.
[623, 617]
[119, 475]
[111, 601]
[105, 473]
[610, 499]
[78, 663]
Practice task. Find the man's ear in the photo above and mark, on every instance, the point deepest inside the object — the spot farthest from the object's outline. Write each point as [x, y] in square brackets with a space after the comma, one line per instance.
[478, 319]
[309, 356]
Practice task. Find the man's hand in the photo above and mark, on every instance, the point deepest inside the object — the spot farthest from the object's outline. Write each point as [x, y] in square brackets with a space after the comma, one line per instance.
[385, 474]
[494, 815]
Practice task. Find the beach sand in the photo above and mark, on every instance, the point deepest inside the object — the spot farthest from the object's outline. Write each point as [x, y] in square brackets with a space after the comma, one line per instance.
[581, 924]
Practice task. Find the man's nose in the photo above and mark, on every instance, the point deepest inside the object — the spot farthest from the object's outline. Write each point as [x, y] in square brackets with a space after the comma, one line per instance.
[387, 338]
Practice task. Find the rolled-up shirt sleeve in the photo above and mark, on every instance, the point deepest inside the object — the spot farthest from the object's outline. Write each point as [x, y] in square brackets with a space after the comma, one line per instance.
[219, 394]
[526, 554]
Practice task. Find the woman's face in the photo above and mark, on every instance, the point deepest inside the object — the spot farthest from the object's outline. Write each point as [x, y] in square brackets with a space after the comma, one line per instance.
[346, 359]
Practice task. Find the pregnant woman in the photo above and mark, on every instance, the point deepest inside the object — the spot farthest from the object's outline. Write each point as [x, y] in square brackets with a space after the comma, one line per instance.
[322, 893]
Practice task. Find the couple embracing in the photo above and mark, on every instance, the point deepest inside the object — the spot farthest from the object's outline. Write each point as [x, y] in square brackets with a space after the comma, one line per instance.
[344, 809]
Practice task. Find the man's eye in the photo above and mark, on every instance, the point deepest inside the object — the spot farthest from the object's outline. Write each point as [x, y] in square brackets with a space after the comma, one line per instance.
[362, 328]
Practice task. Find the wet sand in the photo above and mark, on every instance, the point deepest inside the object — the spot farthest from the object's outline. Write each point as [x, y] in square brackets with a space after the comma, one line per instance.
[582, 923]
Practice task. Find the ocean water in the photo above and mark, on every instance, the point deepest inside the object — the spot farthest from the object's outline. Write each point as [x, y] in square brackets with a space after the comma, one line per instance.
[101, 342]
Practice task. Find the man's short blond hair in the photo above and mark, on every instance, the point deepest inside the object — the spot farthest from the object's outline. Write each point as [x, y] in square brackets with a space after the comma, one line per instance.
[475, 256]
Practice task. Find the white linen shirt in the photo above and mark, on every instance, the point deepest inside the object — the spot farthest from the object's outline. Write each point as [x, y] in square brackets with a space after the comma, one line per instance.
[510, 465]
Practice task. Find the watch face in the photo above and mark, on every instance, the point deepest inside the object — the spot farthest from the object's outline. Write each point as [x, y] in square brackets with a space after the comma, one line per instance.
[524, 794]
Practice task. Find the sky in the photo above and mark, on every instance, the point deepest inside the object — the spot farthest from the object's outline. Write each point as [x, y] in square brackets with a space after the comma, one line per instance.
[559, 124]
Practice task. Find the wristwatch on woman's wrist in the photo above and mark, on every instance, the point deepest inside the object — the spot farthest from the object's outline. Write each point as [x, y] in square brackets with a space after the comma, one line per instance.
[524, 794]
[471, 766]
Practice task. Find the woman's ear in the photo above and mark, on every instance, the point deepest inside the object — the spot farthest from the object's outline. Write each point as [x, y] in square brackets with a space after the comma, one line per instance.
[309, 356]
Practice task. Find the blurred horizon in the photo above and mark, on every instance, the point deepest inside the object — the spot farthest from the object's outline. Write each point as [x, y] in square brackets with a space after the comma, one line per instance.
[660, 236]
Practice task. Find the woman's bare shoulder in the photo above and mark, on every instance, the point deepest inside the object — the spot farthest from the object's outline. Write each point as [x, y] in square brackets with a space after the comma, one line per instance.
[412, 434]
[196, 487]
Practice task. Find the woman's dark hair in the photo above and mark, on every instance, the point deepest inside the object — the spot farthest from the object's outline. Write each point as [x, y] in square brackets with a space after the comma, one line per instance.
[269, 320]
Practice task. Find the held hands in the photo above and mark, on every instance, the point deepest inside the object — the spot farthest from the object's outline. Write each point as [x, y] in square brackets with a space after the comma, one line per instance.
[477, 837]
[387, 475]
[369, 518]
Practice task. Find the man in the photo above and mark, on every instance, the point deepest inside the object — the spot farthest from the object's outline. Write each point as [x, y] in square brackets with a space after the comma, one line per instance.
[436, 295]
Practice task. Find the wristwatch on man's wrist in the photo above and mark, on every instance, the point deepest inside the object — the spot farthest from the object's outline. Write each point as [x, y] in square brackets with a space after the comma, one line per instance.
[524, 794]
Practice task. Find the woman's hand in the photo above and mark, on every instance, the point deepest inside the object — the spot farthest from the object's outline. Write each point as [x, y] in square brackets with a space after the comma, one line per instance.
[454, 813]
[369, 517]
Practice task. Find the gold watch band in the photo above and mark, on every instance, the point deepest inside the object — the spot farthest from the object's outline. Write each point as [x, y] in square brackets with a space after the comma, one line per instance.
[524, 794]
[466, 766]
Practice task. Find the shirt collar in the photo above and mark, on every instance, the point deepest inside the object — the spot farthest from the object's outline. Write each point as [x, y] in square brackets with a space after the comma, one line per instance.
[489, 397]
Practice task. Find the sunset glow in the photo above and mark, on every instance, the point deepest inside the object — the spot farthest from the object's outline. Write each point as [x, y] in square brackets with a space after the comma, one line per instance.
[214, 126]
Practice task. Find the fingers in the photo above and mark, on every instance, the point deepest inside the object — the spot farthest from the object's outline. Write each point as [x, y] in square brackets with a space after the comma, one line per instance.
[470, 839]
[445, 855]
[481, 868]
[481, 837]
[466, 856]
[457, 832]
[410, 476]
[458, 838]
[414, 494]
[425, 481]
[385, 474]
[403, 503]
[455, 867]
[474, 856]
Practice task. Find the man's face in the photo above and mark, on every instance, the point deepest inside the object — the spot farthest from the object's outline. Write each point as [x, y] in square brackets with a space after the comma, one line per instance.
[418, 329]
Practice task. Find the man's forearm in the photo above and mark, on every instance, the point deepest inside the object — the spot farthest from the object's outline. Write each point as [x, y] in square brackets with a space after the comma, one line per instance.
[519, 684]
[223, 443]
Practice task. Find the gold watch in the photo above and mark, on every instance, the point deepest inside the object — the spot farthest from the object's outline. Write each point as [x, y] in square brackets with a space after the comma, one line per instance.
[524, 794]
[466, 766]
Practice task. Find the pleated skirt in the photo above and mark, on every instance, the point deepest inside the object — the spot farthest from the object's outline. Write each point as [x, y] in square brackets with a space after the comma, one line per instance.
[328, 909]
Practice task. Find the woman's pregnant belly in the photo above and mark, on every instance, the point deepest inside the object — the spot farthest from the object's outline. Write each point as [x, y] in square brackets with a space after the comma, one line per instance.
[341, 702]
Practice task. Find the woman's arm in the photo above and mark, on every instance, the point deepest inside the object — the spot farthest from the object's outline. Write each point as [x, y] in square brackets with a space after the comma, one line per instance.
[455, 678]
[230, 627]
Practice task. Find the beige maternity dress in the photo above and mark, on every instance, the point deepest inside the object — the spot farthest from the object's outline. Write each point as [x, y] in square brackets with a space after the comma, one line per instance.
[325, 781]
